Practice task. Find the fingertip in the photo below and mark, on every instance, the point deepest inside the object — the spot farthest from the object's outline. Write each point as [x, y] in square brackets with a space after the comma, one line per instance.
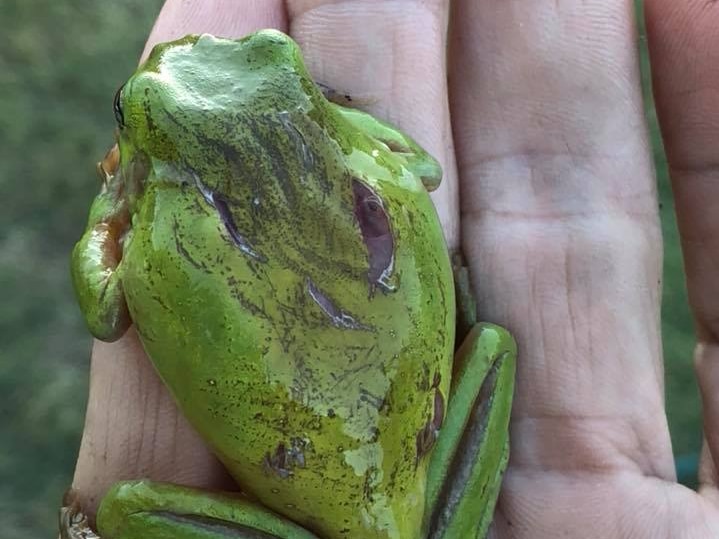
[682, 38]
[225, 18]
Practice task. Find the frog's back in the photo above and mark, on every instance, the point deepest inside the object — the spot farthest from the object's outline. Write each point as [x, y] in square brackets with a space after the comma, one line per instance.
[309, 346]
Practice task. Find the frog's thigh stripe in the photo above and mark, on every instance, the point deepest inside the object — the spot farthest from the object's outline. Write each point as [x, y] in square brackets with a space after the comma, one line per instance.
[193, 527]
[468, 479]
[148, 510]
[468, 494]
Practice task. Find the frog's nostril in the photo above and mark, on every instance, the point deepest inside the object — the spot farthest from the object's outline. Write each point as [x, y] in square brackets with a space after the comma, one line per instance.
[376, 233]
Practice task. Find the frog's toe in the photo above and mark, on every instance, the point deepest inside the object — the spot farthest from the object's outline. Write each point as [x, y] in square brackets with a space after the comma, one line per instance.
[417, 160]
[426, 169]
[471, 454]
[74, 524]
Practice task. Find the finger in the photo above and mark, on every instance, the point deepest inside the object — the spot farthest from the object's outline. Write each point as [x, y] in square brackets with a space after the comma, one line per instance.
[133, 428]
[390, 55]
[683, 40]
[560, 224]
[223, 18]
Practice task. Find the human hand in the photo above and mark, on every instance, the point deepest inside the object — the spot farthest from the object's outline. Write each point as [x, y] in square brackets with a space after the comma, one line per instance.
[558, 219]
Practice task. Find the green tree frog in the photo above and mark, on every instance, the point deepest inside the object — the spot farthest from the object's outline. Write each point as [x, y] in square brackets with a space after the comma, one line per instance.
[285, 269]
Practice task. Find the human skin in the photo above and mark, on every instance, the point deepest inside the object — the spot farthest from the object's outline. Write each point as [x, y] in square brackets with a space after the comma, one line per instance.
[550, 192]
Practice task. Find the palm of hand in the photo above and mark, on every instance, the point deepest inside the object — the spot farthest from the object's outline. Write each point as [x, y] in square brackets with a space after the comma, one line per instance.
[550, 186]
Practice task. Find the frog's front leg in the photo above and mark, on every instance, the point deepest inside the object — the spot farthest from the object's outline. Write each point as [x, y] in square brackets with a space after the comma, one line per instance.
[470, 456]
[97, 255]
[418, 161]
[148, 510]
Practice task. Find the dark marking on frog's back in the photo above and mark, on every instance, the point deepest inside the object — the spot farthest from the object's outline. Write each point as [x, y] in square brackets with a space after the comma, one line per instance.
[377, 235]
[375, 401]
[284, 458]
[223, 209]
[427, 435]
[215, 526]
[182, 251]
[237, 290]
[270, 153]
[222, 206]
[298, 138]
[338, 317]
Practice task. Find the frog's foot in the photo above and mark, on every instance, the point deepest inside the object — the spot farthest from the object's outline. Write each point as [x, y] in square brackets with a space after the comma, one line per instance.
[97, 255]
[418, 161]
[148, 510]
[74, 524]
[465, 471]
[466, 304]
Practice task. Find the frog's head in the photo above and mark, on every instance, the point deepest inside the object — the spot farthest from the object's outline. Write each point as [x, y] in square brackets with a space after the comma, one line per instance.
[243, 123]
[200, 88]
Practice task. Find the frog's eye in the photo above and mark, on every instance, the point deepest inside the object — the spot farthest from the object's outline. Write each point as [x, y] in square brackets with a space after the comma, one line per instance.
[117, 108]
[376, 232]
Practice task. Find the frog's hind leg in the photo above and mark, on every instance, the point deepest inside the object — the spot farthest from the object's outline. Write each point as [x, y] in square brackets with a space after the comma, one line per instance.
[419, 162]
[148, 510]
[472, 450]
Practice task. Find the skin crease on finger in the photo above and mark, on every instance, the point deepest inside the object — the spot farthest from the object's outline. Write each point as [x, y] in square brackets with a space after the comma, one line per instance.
[559, 223]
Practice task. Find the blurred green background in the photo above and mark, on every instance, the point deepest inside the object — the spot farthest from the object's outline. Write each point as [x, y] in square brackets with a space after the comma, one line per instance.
[60, 64]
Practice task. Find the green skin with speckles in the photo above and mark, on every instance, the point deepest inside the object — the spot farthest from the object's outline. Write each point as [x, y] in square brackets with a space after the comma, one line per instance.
[286, 272]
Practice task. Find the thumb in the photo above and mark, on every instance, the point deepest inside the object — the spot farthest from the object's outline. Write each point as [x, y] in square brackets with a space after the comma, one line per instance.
[133, 429]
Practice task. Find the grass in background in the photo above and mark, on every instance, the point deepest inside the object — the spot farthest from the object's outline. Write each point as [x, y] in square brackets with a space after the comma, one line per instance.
[60, 64]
